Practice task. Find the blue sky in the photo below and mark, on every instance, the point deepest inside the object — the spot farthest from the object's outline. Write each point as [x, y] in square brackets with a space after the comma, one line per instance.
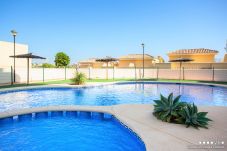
[97, 28]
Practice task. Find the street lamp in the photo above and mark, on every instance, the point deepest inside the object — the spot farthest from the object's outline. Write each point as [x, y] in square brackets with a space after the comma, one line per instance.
[14, 33]
[143, 58]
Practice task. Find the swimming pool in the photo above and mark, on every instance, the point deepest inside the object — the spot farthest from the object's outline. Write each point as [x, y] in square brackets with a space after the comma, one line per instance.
[70, 130]
[113, 94]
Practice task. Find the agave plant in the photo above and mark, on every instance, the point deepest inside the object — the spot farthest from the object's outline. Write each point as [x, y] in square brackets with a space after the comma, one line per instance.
[79, 78]
[166, 109]
[190, 116]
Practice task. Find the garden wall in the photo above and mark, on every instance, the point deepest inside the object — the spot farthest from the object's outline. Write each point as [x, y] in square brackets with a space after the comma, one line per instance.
[47, 74]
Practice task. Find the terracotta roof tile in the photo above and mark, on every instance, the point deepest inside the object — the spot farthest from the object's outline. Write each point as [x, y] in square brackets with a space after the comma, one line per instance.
[193, 51]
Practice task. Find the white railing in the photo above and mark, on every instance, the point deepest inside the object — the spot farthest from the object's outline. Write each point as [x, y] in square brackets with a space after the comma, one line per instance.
[40, 74]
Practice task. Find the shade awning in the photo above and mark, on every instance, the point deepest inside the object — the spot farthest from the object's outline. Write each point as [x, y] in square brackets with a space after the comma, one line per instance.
[28, 55]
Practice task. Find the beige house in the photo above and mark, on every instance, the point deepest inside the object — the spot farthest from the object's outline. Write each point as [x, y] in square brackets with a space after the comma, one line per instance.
[133, 60]
[159, 59]
[7, 49]
[202, 58]
[197, 55]
[225, 58]
[127, 61]
[90, 63]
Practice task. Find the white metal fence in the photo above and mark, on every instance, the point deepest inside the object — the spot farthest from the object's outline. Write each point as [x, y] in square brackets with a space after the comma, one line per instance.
[41, 74]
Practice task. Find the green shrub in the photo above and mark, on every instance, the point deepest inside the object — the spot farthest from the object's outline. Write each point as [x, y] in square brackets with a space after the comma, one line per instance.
[80, 78]
[173, 111]
[190, 116]
[166, 109]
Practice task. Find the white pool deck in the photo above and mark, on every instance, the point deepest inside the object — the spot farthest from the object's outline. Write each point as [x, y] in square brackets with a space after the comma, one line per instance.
[157, 135]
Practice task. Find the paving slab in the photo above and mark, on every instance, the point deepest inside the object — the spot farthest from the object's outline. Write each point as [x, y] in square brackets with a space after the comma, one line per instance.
[187, 137]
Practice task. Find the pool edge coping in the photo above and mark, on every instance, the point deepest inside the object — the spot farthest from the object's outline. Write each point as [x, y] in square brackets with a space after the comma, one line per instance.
[55, 86]
[106, 83]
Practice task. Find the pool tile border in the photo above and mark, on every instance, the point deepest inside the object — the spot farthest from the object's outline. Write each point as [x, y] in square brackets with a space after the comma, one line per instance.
[27, 114]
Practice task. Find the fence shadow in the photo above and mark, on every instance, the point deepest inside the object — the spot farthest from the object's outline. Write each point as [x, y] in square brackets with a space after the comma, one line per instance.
[5, 76]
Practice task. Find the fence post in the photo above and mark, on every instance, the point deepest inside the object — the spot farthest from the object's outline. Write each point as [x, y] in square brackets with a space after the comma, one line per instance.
[213, 73]
[157, 73]
[11, 75]
[89, 73]
[43, 74]
[113, 72]
[65, 72]
[135, 73]
[139, 73]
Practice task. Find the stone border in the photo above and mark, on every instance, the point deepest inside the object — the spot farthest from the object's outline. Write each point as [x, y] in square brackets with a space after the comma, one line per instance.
[105, 83]
[104, 109]
[56, 86]
[169, 82]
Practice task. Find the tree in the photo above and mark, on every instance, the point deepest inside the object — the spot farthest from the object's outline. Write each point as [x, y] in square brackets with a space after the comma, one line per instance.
[48, 65]
[61, 59]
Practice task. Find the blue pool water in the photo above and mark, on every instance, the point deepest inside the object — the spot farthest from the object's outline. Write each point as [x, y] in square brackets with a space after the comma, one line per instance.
[124, 93]
[63, 133]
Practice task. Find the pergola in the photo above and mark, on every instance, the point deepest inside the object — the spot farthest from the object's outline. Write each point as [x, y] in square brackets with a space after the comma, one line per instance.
[27, 56]
[107, 60]
[181, 60]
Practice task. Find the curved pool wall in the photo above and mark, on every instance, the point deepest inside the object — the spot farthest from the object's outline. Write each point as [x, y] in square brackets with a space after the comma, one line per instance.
[24, 126]
[112, 94]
